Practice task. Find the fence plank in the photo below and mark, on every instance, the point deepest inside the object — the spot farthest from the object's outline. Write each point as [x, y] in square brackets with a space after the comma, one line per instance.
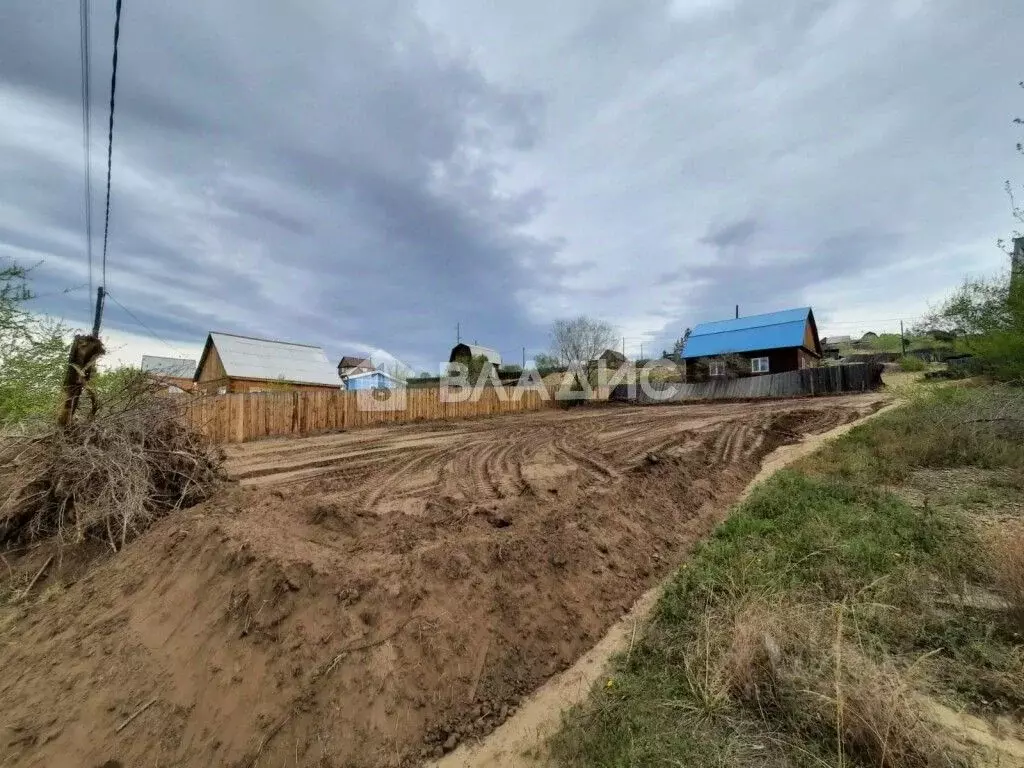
[855, 377]
[241, 417]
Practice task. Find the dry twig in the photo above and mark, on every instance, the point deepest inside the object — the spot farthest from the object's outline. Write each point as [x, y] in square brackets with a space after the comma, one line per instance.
[136, 713]
[35, 578]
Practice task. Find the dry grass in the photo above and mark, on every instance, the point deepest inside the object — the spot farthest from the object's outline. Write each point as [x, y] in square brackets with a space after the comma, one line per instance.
[108, 476]
[1006, 557]
[800, 670]
[823, 617]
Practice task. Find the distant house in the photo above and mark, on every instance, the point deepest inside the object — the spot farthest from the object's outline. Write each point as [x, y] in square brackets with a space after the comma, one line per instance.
[772, 343]
[172, 373]
[231, 363]
[832, 346]
[836, 341]
[466, 352]
[612, 358]
[371, 380]
[352, 365]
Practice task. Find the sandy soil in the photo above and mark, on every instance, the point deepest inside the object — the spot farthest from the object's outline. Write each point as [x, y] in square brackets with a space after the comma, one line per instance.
[375, 597]
[521, 740]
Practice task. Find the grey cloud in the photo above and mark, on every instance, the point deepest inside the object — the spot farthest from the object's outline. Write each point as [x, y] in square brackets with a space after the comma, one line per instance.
[735, 234]
[368, 173]
[375, 216]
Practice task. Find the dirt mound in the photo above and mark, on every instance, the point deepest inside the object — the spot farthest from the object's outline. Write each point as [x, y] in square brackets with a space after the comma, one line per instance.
[383, 608]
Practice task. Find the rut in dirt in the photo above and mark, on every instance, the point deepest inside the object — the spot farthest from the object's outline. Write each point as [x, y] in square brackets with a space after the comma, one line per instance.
[380, 609]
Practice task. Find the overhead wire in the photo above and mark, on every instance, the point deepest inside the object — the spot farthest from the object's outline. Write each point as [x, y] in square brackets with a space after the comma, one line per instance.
[84, 35]
[149, 330]
[110, 137]
[62, 292]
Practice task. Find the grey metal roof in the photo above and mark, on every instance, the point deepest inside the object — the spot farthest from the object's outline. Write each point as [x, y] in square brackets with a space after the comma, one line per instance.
[838, 340]
[262, 359]
[177, 367]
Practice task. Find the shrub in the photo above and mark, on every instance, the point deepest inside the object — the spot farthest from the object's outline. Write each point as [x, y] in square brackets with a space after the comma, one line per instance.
[33, 353]
[911, 363]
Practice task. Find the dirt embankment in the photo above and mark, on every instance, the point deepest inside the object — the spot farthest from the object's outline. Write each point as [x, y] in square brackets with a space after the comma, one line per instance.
[374, 598]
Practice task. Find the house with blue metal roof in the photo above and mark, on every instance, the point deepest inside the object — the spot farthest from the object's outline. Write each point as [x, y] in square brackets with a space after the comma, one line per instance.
[772, 343]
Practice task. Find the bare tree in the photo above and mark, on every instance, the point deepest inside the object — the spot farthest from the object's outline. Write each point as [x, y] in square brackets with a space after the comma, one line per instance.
[393, 368]
[580, 339]
[1016, 208]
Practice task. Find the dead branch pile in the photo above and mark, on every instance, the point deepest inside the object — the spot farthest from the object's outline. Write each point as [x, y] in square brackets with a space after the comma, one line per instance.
[108, 475]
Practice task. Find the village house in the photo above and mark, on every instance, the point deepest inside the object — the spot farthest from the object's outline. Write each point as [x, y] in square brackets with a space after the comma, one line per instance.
[770, 343]
[612, 358]
[174, 374]
[371, 380]
[350, 366]
[232, 363]
[465, 352]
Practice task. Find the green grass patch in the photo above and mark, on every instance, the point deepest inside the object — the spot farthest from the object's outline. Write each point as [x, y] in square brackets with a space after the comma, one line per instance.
[795, 633]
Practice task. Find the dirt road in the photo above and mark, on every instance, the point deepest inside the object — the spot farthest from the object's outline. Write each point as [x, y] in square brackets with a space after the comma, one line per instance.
[377, 597]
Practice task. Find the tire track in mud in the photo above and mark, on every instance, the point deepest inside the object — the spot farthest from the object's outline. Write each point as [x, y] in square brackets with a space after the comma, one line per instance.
[486, 460]
[598, 469]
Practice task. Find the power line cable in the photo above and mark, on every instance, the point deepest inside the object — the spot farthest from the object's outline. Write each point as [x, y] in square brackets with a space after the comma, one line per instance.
[62, 292]
[110, 136]
[151, 332]
[84, 35]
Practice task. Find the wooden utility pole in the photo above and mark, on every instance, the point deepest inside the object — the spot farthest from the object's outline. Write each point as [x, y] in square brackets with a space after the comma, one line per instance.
[101, 296]
[85, 351]
[903, 340]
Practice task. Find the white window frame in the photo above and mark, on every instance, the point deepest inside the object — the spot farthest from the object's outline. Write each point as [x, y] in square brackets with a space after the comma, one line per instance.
[716, 367]
[759, 365]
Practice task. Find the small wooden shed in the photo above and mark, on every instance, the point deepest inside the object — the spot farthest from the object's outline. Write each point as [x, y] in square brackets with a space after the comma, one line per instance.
[174, 374]
[232, 363]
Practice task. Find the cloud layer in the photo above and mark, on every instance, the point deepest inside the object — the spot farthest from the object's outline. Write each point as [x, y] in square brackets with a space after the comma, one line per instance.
[367, 174]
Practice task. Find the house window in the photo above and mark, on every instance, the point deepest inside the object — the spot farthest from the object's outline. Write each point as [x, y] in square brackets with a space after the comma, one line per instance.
[716, 367]
[222, 390]
[759, 365]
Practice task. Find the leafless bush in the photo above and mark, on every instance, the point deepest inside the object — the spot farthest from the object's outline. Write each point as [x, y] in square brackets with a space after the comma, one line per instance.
[109, 475]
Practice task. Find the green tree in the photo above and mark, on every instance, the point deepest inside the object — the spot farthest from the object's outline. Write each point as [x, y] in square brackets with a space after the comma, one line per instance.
[989, 317]
[33, 352]
[678, 346]
[546, 363]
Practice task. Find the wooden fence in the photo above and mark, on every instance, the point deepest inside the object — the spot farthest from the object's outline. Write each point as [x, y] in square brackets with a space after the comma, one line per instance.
[239, 418]
[826, 380]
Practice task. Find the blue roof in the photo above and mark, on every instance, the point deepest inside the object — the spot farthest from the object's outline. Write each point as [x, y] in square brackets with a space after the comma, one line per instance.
[773, 330]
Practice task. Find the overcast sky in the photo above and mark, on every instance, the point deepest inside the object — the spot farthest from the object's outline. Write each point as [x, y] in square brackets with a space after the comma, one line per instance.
[366, 174]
